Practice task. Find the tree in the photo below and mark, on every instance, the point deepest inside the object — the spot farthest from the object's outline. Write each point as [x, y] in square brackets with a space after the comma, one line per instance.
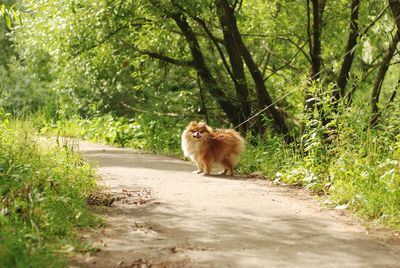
[237, 108]
[384, 66]
[226, 13]
[314, 44]
[350, 52]
[226, 59]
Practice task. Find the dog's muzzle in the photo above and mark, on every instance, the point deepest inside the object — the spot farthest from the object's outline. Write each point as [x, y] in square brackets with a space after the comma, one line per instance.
[197, 135]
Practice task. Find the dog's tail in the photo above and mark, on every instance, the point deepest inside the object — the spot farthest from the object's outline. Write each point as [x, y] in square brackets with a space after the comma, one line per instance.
[239, 146]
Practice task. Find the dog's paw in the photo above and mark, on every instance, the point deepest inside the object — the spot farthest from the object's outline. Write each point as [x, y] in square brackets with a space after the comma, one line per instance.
[198, 171]
[223, 172]
[226, 172]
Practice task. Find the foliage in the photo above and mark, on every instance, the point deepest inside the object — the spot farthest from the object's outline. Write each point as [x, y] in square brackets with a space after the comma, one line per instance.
[8, 13]
[369, 186]
[143, 132]
[358, 170]
[42, 193]
[133, 73]
[268, 154]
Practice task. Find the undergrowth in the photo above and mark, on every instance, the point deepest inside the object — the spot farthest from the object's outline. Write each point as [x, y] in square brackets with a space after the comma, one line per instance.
[43, 198]
[354, 168]
[148, 133]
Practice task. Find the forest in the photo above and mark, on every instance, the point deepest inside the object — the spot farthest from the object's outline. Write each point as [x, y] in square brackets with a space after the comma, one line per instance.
[311, 84]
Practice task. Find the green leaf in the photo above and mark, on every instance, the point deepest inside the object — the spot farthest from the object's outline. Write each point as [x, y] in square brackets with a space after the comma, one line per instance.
[15, 16]
[8, 21]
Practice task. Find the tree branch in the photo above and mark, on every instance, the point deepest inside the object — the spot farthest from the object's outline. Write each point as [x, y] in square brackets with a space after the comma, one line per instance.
[110, 35]
[200, 65]
[380, 78]
[286, 39]
[161, 57]
[380, 15]
[284, 65]
[350, 48]
[215, 41]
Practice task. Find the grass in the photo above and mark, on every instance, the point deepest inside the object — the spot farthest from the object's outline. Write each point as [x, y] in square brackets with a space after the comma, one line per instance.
[368, 185]
[43, 193]
[358, 169]
[160, 135]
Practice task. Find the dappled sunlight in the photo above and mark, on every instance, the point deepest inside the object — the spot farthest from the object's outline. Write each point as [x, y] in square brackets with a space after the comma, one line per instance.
[218, 221]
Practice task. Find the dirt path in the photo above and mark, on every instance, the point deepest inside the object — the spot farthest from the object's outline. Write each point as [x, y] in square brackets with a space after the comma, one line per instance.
[166, 216]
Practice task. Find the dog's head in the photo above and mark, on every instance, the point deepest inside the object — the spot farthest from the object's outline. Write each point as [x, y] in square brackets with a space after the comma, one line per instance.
[199, 130]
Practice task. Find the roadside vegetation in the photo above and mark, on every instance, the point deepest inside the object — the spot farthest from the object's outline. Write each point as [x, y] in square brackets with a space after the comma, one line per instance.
[43, 191]
[357, 170]
[134, 73]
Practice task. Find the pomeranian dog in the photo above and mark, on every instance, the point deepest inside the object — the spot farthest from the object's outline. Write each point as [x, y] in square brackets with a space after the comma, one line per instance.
[210, 148]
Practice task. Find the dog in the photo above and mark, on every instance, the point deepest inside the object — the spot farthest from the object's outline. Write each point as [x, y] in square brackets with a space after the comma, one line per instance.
[210, 148]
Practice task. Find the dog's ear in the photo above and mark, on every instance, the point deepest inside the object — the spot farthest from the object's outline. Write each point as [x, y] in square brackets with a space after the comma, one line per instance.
[192, 123]
[209, 129]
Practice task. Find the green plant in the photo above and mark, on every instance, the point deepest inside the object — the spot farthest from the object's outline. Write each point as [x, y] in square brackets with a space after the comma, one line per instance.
[43, 189]
[141, 132]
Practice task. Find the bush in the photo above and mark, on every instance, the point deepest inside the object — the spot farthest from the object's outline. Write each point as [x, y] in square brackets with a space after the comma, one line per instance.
[143, 132]
[43, 190]
[351, 166]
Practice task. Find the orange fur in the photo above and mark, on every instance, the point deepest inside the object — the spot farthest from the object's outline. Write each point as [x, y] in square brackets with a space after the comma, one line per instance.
[210, 148]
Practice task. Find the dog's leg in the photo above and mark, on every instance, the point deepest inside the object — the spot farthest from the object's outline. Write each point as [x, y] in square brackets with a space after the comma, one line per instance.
[228, 167]
[199, 169]
[206, 171]
[207, 168]
[227, 172]
[199, 166]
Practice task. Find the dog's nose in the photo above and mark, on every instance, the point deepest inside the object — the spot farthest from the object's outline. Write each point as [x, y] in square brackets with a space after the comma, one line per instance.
[196, 135]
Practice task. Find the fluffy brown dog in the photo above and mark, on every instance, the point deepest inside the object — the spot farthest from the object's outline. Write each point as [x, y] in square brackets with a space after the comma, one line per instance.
[210, 148]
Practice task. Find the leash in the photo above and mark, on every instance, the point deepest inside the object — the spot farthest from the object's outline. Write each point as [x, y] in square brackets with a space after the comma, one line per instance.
[264, 109]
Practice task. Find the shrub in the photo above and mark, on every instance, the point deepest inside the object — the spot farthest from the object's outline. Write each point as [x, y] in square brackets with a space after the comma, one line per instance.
[43, 190]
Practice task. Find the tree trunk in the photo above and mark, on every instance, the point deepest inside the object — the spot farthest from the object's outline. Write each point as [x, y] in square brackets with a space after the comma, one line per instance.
[349, 56]
[316, 40]
[314, 46]
[395, 7]
[237, 66]
[263, 97]
[379, 79]
[204, 73]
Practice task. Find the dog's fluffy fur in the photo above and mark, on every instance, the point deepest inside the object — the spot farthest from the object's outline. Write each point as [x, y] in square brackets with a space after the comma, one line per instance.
[210, 148]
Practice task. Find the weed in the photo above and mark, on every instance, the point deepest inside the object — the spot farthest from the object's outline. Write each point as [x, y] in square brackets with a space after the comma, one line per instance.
[142, 132]
[42, 189]
[345, 161]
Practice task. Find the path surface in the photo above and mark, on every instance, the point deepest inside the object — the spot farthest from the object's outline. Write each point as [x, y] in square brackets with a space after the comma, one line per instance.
[166, 216]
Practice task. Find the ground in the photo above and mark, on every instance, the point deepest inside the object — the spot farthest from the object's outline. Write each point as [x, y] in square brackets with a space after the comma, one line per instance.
[163, 215]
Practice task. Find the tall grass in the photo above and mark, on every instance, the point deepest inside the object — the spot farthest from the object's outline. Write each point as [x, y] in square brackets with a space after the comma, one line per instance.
[149, 133]
[42, 193]
[351, 165]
